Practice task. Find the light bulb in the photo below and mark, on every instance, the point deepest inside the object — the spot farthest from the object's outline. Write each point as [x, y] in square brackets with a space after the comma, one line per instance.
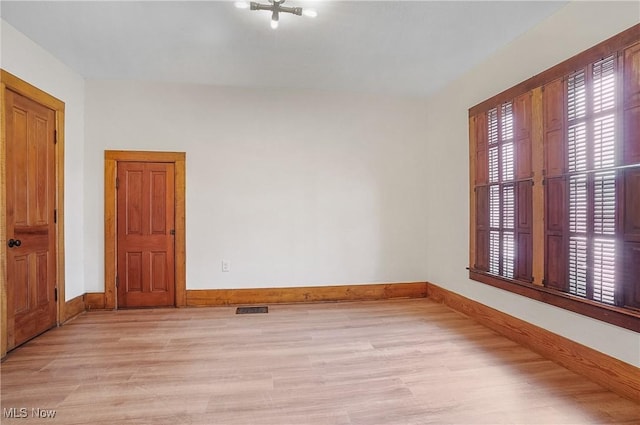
[274, 24]
[310, 13]
[242, 4]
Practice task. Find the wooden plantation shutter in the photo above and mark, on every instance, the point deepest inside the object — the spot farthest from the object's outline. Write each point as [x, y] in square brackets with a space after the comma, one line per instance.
[581, 182]
[482, 194]
[507, 189]
[604, 207]
[577, 166]
[482, 225]
[587, 192]
[630, 269]
[555, 185]
[524, 187]
[503, 190]
[631, 104]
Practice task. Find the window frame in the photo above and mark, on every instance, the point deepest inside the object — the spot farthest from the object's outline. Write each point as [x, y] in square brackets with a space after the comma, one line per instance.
[622, 316]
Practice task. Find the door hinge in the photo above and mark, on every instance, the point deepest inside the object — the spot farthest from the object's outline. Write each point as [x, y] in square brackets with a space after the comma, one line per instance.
[172, 231]
[55, 215]
[55, 293]
[117, 281]
[55, 137]
[117, 182]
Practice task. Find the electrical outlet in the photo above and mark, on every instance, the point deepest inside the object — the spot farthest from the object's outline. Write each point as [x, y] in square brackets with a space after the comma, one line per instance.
[226, 266]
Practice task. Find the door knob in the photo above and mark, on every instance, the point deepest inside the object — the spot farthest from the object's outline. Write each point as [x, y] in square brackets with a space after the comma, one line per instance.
[14, 242]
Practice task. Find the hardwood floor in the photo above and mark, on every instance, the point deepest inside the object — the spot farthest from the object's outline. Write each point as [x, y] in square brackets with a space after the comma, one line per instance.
[387, 362]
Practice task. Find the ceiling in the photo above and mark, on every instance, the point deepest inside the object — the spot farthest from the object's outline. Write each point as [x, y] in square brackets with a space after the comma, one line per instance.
[391, 47]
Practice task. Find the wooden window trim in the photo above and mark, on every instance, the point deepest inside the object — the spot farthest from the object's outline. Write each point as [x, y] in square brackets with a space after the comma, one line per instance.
[605, 48]
[625, 317]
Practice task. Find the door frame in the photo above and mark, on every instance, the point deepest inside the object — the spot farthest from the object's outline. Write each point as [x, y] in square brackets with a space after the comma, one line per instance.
[111, 159]
[9, 81]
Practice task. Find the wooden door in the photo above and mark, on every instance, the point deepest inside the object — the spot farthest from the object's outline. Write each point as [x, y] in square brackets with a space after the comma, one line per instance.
[30, 212]
[145, 222]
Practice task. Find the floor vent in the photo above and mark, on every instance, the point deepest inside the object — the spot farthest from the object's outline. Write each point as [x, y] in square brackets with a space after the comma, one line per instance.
[252, 310]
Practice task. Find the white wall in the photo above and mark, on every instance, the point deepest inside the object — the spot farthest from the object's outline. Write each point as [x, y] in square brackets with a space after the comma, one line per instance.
[27, 60]
[573, 29]
[294, 188]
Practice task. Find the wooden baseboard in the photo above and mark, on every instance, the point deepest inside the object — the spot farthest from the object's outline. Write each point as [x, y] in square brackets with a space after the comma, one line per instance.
[611, 373]
[73, 307]
[216, 297]
[94, 300]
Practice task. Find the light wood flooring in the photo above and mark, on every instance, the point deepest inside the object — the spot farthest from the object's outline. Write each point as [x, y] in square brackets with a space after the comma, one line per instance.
[369, 363]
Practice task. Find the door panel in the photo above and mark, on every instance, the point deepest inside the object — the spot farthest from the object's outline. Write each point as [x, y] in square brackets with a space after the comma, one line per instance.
[554, 132]
[556, 228]
[631, 274]
[482, 227]
[522, 127]
[21, 283]
[31, 266]
[146, 271]
[482, 162]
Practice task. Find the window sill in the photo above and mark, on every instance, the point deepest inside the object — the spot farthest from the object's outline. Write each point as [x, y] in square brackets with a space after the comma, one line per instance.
[625, 318]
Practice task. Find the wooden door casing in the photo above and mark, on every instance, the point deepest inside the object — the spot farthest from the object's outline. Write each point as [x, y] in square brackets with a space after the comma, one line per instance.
[145, 229]
[30, 208]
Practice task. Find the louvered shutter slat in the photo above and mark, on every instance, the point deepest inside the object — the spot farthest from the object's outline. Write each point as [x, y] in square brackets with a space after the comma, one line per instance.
[508, 162]
[508, 254]
[578, 266]
[603, 85]
[604, 270]
[577, 151]
[604, 216]
[494, 252]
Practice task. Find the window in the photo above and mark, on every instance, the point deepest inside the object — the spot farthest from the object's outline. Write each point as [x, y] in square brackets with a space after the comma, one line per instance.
[556, 184]
[503, 190]
[591, 123]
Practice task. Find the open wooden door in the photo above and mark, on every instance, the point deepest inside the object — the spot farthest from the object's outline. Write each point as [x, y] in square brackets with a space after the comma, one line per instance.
[30, 218]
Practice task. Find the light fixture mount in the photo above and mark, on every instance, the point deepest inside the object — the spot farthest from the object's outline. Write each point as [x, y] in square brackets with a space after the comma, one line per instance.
[276, 7]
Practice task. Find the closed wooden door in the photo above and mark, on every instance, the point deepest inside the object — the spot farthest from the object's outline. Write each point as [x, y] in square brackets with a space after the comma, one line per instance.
[31, 239]
[146, 271]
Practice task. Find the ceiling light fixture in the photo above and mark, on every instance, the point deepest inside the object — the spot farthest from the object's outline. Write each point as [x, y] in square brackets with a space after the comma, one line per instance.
[276, 7]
